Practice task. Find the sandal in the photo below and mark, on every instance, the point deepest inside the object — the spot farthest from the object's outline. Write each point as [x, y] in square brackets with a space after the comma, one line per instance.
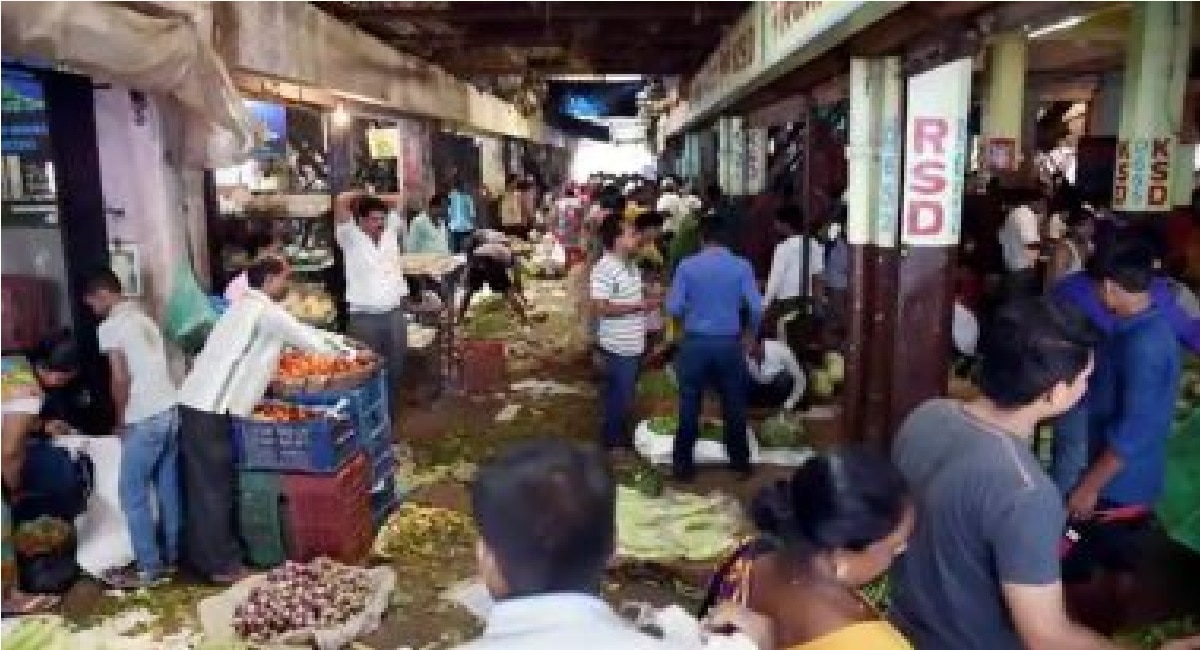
[129, 578]
[230, 577]
[20, 603]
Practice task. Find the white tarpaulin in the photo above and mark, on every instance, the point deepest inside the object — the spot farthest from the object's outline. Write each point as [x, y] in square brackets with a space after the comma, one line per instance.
[102, 532]
[165, 53]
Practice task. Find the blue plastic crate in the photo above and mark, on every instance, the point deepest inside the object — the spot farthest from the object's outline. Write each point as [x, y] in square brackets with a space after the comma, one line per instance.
[319, 446]
[366, 404]
[383, 500]
[378, 443]
[382, 466]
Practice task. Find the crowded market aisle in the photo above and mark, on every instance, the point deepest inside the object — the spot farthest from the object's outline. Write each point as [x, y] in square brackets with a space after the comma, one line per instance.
[441, 444]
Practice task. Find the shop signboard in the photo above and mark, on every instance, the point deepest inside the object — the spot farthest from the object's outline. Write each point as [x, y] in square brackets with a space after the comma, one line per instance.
[28, 171]
[935, 154]
[1001, 153]
[789, 26]
[270, 125]
[735, 59]
[1142, 182]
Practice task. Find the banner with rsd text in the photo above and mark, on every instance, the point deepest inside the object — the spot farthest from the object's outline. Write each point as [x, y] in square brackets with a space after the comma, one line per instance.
[935, 155]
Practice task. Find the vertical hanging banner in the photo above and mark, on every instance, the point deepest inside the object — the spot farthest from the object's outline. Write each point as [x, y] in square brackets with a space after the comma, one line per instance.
[756, 160]
[935, 155]
[873, 151]
[736, 154]
[1142, 182]
[723, 154]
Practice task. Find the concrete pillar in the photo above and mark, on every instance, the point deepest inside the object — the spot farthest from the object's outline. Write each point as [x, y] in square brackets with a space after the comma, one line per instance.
[1156, 70]
[1004, 108]
[1183, 174]
[1104, 114]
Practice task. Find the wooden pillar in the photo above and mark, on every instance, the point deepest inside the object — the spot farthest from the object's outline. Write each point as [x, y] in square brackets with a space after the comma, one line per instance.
[875, 127]
[935, 153]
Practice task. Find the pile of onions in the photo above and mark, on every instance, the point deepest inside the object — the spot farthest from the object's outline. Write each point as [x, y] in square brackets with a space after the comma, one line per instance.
[320, 594]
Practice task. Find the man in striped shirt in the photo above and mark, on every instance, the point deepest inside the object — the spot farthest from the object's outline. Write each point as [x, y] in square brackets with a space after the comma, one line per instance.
[620, 309]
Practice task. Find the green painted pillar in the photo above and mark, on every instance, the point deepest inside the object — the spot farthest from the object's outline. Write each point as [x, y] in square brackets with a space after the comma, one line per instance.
[1004, 105]
[1156, 71]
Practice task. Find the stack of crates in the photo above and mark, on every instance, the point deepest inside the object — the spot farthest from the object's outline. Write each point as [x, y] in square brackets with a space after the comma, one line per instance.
[366, 407]
[305, 489]
[299, 517]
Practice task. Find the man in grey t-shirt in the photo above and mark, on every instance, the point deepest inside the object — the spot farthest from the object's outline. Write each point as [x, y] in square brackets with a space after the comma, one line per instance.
[988, 511]
[982, 569]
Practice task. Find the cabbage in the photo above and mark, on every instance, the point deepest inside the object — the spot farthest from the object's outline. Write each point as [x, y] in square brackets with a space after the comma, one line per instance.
[822, 384]
[835, 365]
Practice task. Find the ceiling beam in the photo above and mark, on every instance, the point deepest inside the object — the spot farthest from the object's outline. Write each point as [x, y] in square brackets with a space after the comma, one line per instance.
[613, 41]
[488, 12]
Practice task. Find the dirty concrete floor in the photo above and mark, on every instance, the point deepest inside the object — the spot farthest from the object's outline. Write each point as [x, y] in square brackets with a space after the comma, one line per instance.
[459, 427]
[462, 427]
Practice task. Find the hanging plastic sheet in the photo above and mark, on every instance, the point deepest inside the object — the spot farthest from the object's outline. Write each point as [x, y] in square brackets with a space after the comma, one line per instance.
[147, 47]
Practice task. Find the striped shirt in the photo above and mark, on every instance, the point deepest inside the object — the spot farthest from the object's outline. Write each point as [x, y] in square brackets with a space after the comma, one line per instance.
[619, 281]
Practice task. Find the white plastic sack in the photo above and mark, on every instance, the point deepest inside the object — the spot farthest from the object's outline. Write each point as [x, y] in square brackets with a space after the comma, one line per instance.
[216, 615]
[102, 533]
[964, 329]
[658, 449]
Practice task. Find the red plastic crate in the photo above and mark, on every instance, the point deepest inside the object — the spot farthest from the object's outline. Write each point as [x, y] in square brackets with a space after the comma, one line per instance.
[26, 311]
[330, 515]
[483, 365]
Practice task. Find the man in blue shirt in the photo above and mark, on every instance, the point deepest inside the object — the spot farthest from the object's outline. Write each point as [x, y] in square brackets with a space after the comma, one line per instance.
[1132, 398]
[1083, 291]
[709, 292]
[462, 218]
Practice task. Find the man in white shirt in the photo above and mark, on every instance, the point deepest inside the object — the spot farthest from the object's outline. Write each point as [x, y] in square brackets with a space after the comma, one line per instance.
[776, 379]
[674, 207]
[787, 265]
[1020, 237]
[145, 400]
[620, 311]
[229, 377]
[543, 559]
[369, 234]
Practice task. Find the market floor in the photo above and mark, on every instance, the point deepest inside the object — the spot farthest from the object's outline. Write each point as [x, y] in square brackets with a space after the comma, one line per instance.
[444, 438]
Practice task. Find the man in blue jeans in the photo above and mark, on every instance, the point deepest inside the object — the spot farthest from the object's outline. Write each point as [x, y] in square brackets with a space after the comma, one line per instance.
[709, 293]
[620, 309]
[1083, 291]
[145, 400]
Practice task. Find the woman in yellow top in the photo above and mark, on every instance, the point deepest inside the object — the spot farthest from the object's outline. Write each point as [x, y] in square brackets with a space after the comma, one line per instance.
[834, 527]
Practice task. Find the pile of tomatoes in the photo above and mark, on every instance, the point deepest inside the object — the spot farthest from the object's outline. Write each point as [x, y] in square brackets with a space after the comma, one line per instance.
[281, 412]
[301, 365]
